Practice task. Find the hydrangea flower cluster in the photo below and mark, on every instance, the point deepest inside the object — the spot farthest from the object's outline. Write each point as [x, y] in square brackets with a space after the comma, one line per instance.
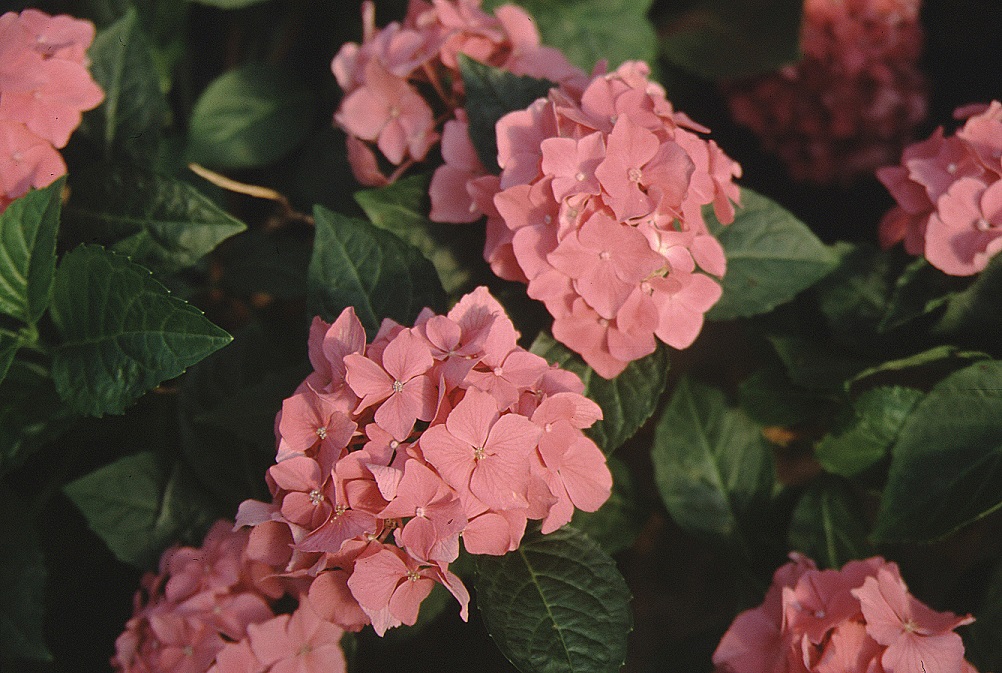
[389, 78]
[296, 643]
[598, 209]
[44, 88]
[200, 600]
[949, 194]
[853, 101]
[860, 618]
[389, 452]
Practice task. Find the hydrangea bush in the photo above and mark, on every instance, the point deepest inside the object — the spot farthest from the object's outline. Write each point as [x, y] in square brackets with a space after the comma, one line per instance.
[468, 334]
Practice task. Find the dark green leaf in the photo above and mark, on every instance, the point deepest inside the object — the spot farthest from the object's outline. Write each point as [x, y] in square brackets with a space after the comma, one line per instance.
[227, 410]
[587, 31]
[712, 466]
[129, 124]
[829, 524]
[919, 290]
[491, 93]
[815, 365]
[769, 397]
[728, 38]
[250, 117]
[977, 306]
[123, 333]
[771, 257]
[159, 221]
[865, 430]
[400, 208]
[556, 604]
[854, 297]
[920, 371]
[357, 264]
[270, 261]
[983, 645]
[617, 523]
[627, 401]
[229, 4]
[28, 252]
[31, 414]
[138, 505]
[9, 345]
[22, 584]
[946, 467]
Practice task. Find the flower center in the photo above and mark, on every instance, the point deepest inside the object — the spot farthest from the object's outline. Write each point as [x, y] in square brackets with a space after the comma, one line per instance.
[322, 433]
[397, 386]
[580, 176]
[338, 511]
[910, 626]
[306, 648]
[419, 511]
[316, 497]
[604, 255]
[951, 168]
[189, 651]
[412, 576]
[983, 224]
[820, 614]
[634, 174]
[478, 453]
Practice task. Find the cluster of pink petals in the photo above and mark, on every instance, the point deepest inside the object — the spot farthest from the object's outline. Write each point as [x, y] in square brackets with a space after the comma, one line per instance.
[853, 101]
[598, 209]
[390, 452]
[44, 88]
[385, 77]
[949, 194]
[200, 600]
[860, 619]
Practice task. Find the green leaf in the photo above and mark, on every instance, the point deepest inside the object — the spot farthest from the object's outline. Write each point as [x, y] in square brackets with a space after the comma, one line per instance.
[983, 644]
[769, 397]
[270, 261]
[159, 221]
[491, 93]
[22, 584]
[815, 365]
[918, 371]
[616, 524]
[400, 208]
[712, 466]
[587, 31]
[250, 117]
[129, 124]
[556, 604]
[357, 264]
[123, 333]
[865, 430]
[9, 345]
[139, 505]
[771, 257]
[31, 414]
[28, 252]
[229, 4]
[946, 467]
[227, 408]
[976, 307]
[728, 38]
[829, 524]
[919, 290]
[854, 297]
[627, 401]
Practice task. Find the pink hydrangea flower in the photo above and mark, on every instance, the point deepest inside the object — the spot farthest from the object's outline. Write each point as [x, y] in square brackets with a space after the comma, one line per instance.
[453, 432]
[200, 599]
[949, 202]
[44, 88]
[854, 99]
[382, 75]
[598, 209]
[860, 618]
